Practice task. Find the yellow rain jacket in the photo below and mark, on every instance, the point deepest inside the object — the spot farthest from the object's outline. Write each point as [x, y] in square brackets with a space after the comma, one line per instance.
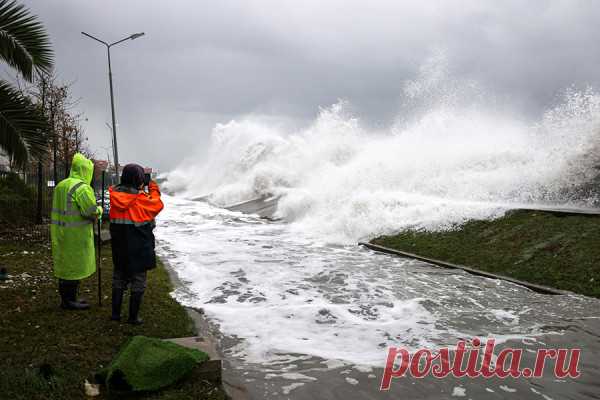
[74, 210]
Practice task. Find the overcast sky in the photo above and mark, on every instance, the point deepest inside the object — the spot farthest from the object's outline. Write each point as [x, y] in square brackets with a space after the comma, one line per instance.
[203, 62]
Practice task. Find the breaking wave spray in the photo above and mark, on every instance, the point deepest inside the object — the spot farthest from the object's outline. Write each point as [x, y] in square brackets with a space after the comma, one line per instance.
[453, 156]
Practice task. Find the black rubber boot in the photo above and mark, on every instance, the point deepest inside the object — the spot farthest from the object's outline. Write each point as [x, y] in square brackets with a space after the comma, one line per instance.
[63, 290]
[68, 294]
[75, 294]
[117, 301]
[135, 302]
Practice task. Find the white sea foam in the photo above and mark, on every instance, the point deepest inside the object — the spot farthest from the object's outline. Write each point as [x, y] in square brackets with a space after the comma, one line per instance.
[507, 389]
[351, 381]
[289, 297]
[288, 388]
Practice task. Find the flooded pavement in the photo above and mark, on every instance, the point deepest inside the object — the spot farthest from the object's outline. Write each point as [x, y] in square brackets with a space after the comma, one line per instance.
[302, 319]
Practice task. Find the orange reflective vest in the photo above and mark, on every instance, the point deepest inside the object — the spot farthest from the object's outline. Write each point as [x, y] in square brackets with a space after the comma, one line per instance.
[132, 214]
[132, 207]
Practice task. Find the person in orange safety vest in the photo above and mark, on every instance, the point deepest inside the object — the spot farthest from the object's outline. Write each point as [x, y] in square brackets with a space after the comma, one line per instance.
[132, 213]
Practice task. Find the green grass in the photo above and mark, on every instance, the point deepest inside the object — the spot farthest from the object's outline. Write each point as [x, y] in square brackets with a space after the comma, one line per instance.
[47, 353]
[538, 247]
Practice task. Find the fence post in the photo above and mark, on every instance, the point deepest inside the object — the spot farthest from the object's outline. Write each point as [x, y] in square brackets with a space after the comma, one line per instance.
[102, 190]
[38, 216]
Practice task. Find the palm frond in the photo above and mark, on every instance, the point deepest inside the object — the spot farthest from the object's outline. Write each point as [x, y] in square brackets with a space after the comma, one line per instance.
[24, 43]
[22, 127]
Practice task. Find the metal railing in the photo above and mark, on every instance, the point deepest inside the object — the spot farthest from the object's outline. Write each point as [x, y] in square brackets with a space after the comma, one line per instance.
[26, 202]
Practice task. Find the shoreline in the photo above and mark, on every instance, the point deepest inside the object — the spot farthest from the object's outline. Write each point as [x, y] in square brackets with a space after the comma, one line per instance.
[210, 335]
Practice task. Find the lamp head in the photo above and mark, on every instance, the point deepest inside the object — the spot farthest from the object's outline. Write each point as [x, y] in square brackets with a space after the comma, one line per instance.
[136, 35]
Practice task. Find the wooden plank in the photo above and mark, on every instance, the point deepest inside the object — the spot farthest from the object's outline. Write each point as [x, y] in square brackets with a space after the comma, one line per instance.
[474, 271]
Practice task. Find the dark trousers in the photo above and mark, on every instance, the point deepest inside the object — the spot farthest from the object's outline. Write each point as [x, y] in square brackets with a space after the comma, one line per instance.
[65, 285]
[137, 282]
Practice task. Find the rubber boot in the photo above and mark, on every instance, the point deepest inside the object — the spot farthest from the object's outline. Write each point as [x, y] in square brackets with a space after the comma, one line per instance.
[135, 302]
[63, 290]
[117, 301]
[75, 295]
[68, 294]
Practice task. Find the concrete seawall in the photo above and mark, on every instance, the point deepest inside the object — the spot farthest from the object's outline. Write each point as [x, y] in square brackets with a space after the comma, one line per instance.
[264, 206]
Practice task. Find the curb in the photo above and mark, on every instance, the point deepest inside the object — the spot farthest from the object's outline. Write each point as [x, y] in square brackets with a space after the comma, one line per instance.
[562, 210]
[532, 286]
[209, 343]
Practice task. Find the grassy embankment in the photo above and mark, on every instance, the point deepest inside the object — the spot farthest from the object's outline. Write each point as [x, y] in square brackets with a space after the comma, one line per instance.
[47, 353]
[538, 247]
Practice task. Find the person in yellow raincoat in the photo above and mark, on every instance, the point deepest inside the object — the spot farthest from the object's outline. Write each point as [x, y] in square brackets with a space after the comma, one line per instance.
[74, 211]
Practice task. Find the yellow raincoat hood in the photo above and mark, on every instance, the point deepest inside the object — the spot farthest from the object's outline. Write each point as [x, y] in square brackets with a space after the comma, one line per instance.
[82, 168]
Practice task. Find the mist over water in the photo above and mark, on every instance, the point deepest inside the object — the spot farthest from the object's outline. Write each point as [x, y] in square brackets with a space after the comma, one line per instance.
[454, 153]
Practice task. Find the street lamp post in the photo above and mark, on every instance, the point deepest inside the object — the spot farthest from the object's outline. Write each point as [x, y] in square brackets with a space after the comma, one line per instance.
[112, 101]
[112, 144]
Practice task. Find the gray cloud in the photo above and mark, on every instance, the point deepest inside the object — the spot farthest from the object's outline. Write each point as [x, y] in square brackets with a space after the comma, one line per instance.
[206, 62]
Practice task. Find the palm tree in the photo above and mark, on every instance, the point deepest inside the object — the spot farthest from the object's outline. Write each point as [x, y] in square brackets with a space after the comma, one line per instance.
[25, 46]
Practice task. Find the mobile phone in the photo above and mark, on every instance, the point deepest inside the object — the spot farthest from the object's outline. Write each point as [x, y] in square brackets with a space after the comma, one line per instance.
[147, 176]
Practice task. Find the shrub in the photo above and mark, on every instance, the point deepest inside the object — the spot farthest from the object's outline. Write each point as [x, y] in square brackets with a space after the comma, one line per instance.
[16, 199]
